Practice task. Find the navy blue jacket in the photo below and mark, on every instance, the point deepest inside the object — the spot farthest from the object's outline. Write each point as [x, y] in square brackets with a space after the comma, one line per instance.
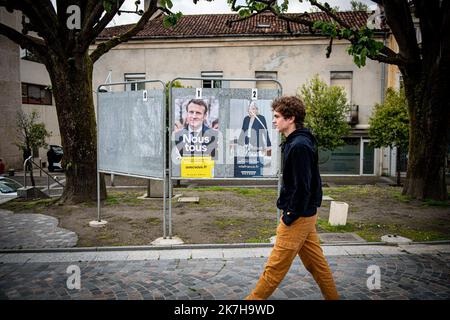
[301, 191]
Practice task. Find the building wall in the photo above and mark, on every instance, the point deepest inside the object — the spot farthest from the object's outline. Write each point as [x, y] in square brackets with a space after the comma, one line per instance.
[393, 71]
[295, 60]
[10, 94]
[393, 81]
[36, 73]
[14, 71]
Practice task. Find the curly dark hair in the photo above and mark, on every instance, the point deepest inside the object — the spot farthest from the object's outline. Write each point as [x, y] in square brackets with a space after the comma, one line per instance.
[290, 106]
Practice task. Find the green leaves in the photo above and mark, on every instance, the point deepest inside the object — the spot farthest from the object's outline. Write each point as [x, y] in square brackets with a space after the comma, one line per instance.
[247, 8]
[260, 6]
[327, 28]
[166, 3]
[326, 109]
[30, 134]
[171, 19]
[358, 6]
[108, 4]
[389, 124]
[243, 13]
[364, 45]
[284, 6]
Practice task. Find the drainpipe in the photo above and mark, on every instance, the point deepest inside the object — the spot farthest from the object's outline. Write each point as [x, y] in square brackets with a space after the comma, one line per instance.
[383, 72]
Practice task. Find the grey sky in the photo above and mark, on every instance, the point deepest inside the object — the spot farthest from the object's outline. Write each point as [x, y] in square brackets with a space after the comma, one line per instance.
[219, 6]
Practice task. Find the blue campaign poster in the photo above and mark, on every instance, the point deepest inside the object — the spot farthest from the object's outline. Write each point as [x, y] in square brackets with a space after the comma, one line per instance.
[246, 167]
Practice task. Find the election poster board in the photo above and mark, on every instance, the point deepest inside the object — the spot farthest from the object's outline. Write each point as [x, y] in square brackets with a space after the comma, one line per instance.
[252, 138]
[195, 133]
[131, 133]
[223, 133]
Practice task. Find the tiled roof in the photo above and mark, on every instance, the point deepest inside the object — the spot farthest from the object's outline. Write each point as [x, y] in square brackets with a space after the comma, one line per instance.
[214, 25]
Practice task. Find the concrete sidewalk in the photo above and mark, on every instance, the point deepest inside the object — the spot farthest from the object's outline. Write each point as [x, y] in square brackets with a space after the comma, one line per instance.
[189, 252]
[415, 271]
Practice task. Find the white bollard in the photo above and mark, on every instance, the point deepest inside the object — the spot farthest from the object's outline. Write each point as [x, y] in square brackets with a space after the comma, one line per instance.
[338, 213]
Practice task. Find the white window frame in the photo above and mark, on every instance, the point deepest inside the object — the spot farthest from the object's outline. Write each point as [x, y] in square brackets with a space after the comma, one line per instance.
[131, 77]
[212, 83]
[265, 75]
[341, 75]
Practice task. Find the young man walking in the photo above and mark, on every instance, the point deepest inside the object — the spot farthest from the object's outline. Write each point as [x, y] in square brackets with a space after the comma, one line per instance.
[300, 196]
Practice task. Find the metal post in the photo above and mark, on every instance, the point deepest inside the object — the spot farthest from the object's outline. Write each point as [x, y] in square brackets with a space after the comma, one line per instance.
[169, 174]
[48, 185]
[164, 201]
[166, 174]
[25, 171]
[98, 173]
[170, 208]
[98, 195]
[40, 167]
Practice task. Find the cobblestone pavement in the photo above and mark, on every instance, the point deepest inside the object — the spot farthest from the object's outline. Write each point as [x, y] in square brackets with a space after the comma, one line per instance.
[21, 231]
[406, 272]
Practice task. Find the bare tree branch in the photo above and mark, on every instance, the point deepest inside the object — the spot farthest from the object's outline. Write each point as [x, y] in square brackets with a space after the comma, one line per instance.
[295, 19]
[330, 13]
[42, 17]
[93, 14]
[91, 30]
[165, 10]
[229, 23]
[395, 60]
[104, 47]
[385, 55]
[399, 19]
[8, 4]
[35, 45]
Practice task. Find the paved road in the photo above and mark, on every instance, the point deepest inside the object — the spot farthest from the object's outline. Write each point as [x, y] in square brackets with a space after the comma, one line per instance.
[406, 272]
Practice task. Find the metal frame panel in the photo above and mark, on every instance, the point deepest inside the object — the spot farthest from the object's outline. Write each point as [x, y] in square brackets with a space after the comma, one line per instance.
[167, 146]
[170, 144]
[131, 174]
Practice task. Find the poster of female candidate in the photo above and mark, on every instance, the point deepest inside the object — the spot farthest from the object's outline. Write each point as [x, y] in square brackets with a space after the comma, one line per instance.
[252, 138]
[195, 135]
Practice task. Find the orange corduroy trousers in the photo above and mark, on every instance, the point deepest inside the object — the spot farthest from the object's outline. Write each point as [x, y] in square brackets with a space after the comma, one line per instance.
[300, 238]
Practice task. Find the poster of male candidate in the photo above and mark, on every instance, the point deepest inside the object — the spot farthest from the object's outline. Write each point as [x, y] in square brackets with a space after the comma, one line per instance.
[252, 137]
[195, 135]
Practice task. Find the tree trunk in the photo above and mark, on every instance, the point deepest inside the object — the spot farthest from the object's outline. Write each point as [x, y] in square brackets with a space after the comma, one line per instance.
[76, 117]
[429, 118]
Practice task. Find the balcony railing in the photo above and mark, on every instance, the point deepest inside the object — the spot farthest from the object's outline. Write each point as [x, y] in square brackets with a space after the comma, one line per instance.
[28, 164]
[352, 115]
